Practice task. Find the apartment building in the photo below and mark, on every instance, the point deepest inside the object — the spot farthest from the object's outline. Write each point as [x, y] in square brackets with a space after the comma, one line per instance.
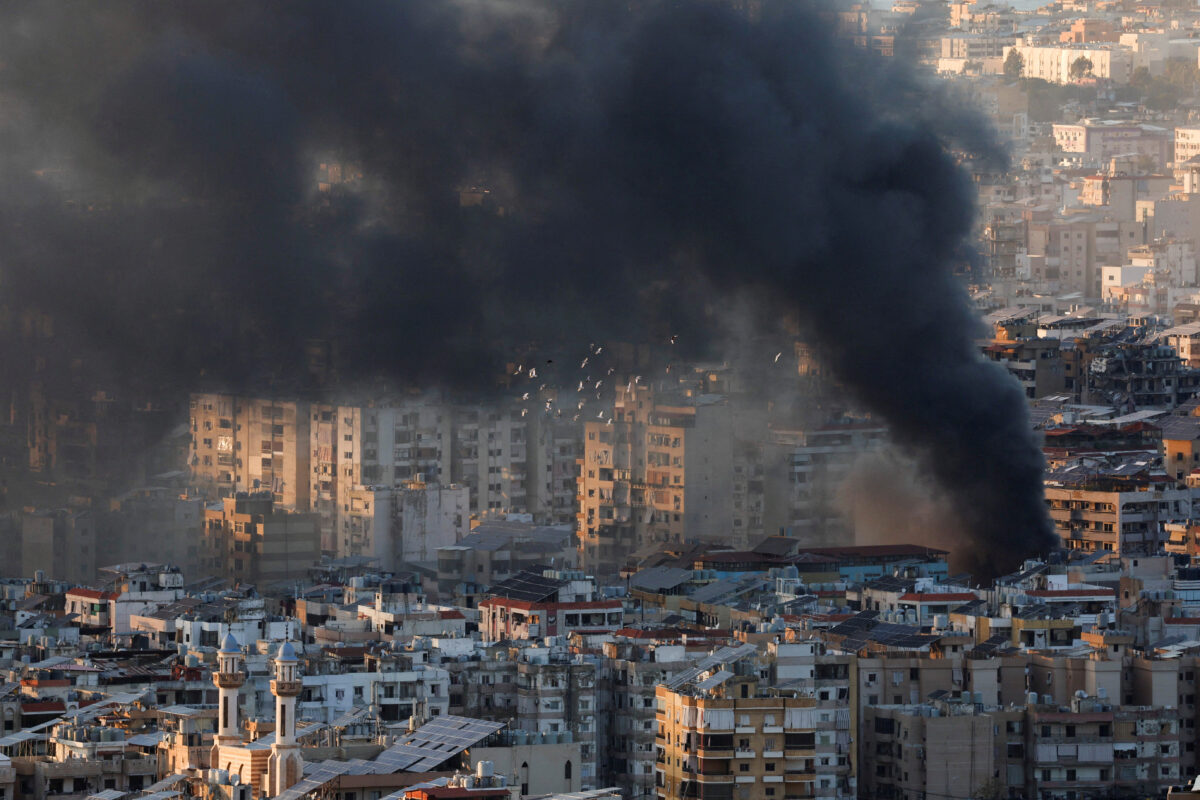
[248, 540]
[832, 680]
[631, 671]
[313, 456]
[662, 470]
[1180, 437]
[974, 46]
[491, 459]
[944, 750]
[958, 747]
[805, 469]
[1036, 363]
[1148, 374]
[153, 525]
[1187, 143]
[242, 444]
[1118, 516]
[404, 524]
[554, 446]
[549, 698]
[1102, 140]
[59, 542]
[721, 737]
[1053, 63]
[1069, 248]
[553, 603]
[84, 760]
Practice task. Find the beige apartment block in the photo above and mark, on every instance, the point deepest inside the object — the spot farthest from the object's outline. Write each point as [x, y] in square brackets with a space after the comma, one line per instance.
[731, 743]
[1118, 519]
[242, 444]
[249, 540]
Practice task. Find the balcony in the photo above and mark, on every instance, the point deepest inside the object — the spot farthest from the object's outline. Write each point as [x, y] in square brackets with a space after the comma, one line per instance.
[714, 778]
[714, 752]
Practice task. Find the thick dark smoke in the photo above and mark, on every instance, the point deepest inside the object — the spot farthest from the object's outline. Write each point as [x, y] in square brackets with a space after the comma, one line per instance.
[159, 164]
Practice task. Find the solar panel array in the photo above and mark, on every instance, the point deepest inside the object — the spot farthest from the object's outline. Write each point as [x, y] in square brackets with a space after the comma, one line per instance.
[996, 643]
[437, 740]
[865, 627]
[528, 586]
[159, 796]
[167, 782]
[726, 655]
[420, 751]
[107, 794]
[715, 681]
[325, 772]
[890, 583]
[353, 715]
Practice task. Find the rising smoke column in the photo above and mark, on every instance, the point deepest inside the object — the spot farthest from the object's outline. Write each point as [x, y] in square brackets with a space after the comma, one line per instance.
[649, 161]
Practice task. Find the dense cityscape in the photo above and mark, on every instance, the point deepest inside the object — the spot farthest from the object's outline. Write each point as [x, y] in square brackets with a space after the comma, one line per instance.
[705, 400]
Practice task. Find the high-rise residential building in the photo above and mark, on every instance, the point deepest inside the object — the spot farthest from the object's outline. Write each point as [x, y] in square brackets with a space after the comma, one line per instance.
[153, 525]
[662, 470]
[490, 458]
[242, 444]
[60, 543]
[553, 448]
[804, 470]
[631, 671]
[313, 456]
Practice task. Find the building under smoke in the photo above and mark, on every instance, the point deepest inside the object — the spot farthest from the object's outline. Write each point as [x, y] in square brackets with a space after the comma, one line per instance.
[641, 166]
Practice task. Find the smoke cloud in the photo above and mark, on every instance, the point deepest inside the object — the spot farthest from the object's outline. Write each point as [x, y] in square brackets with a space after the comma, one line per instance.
[642, 164]
[888, 497]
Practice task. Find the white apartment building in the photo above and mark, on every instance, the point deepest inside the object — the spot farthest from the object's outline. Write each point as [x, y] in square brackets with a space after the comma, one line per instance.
[1187, 143]
[1053, 62]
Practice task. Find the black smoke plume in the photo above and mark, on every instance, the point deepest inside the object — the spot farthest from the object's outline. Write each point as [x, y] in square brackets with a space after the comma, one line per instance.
[642, 162]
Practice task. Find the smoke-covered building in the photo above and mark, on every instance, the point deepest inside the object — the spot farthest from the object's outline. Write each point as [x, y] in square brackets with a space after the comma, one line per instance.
[665, 470]
[59, 542]
[804, 470]
[405, 524]
[154, 524]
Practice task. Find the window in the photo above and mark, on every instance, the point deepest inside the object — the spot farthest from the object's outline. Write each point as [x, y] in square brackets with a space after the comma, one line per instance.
[567, 770]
